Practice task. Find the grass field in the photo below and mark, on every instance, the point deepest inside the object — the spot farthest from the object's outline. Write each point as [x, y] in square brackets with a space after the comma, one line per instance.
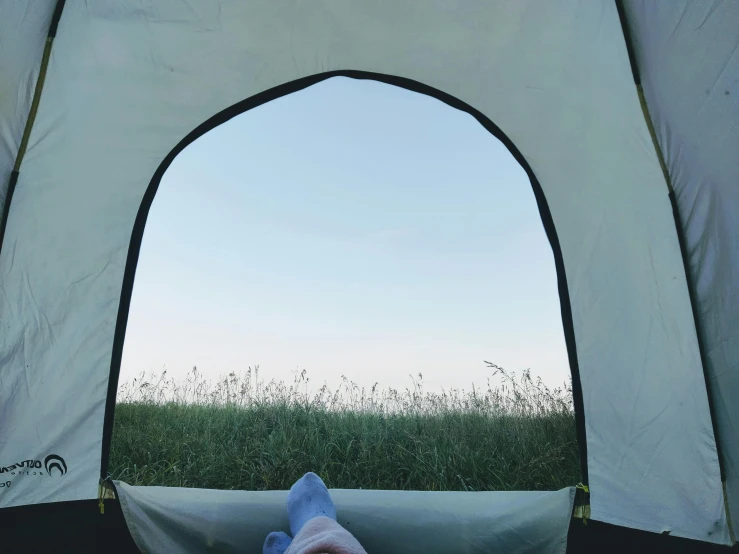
[242, 433]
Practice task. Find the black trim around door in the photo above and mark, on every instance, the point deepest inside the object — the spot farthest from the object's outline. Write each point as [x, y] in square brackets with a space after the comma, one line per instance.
[283, 90]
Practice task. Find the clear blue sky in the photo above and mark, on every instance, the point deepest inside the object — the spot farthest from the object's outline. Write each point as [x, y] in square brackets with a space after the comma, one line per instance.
[352, 228]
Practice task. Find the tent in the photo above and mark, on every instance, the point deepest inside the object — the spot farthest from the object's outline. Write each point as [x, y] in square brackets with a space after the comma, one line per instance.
[625, 115]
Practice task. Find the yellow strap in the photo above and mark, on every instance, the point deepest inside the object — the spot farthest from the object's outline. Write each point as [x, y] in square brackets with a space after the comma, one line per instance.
[583, 487]
[101, 496]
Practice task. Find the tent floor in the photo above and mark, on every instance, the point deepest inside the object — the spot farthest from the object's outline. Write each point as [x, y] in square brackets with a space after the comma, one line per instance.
[78, 527]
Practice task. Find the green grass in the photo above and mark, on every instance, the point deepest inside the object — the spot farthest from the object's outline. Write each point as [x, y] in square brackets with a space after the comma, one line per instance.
[240, 433]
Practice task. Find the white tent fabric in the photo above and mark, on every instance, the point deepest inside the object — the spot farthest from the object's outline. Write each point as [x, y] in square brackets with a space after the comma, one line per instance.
[125, 84]
[191, 521]
[688, 56]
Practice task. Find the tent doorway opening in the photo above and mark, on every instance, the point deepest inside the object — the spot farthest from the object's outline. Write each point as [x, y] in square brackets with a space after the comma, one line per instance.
[354, 280]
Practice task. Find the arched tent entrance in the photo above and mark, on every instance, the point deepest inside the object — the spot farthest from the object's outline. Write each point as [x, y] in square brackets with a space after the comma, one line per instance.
[291, 88]
[122, 86]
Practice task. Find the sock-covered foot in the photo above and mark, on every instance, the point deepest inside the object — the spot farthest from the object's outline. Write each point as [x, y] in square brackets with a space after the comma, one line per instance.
[308, 498]
[276, 543]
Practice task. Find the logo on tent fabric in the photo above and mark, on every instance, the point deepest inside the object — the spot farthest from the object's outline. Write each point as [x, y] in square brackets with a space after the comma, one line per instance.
[53, 464]
[53, 461]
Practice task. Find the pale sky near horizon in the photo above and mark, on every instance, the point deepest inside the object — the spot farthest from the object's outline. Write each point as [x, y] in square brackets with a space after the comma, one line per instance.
[351, 228]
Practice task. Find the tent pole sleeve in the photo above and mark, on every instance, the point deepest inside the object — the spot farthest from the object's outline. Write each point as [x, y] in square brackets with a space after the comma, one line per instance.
[683, 251]
[34, 104]
[39, 83]
[6, 208]
[31, 115]
[688, 276]
[691, 292]
[627, 38]
[657, 149]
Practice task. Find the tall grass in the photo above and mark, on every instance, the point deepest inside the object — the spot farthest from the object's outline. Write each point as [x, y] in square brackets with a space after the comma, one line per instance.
[242, 433]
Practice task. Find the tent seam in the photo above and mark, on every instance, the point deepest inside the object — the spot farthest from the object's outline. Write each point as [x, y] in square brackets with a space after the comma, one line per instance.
[38, 90]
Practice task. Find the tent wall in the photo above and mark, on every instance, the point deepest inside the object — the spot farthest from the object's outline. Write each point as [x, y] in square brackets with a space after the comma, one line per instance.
[126, 84]
[687, 57]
